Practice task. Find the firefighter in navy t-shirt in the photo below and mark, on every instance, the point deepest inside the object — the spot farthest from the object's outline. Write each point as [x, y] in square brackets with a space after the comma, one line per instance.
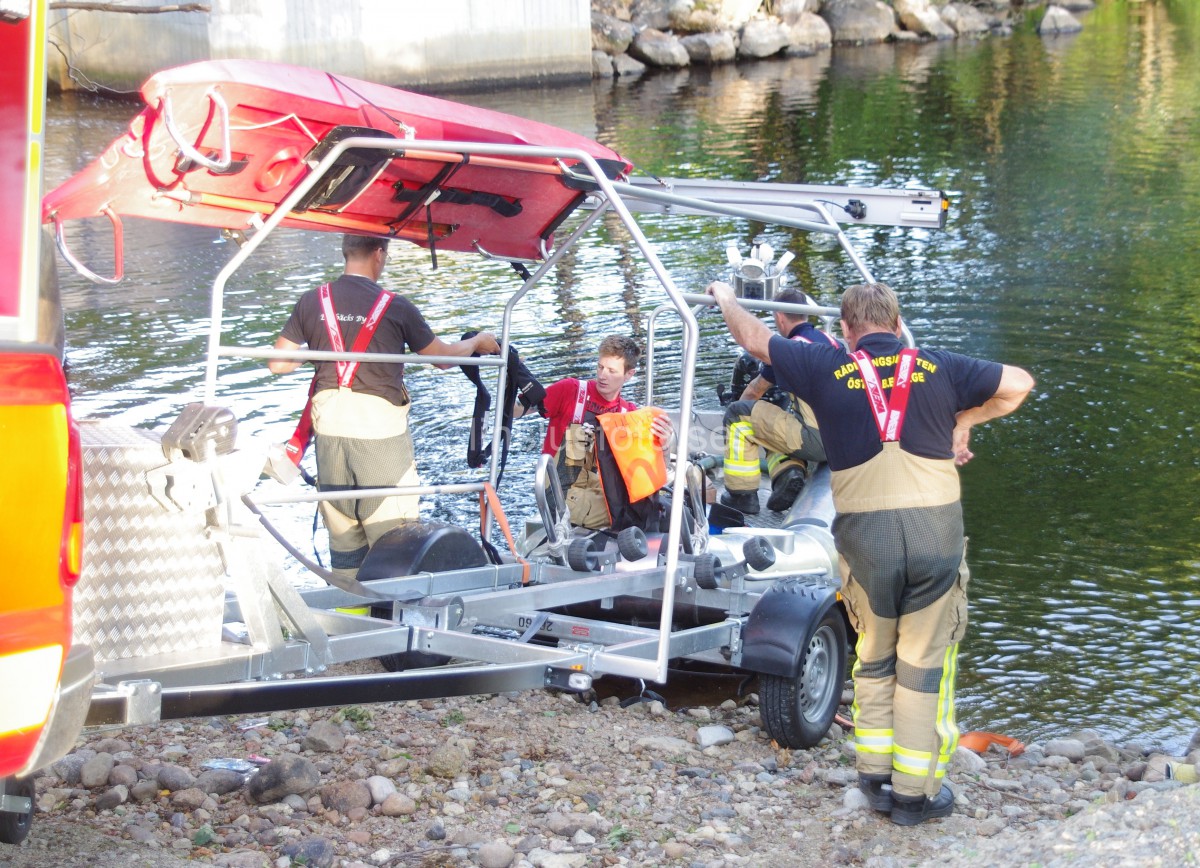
[895, 422]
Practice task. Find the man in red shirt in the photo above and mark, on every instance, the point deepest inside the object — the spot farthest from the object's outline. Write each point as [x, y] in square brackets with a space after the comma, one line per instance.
[569, 399]
[573, 404]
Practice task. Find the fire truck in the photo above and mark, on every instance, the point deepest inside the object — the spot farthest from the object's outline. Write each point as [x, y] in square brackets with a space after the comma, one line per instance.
[44, 681]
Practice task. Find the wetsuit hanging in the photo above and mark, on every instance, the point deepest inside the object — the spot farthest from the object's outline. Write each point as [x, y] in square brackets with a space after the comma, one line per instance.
[520, 385]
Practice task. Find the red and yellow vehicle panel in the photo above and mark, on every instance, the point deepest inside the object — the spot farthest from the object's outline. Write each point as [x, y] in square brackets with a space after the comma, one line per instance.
[41, 505]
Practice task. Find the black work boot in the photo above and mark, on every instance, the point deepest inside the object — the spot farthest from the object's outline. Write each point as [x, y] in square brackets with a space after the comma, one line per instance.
[878, 790]
[911, 810]
[785, 488]
[745, 502]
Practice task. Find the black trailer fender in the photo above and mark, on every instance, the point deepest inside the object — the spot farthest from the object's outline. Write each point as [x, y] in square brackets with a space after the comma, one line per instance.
[777, 631]
[411, 548]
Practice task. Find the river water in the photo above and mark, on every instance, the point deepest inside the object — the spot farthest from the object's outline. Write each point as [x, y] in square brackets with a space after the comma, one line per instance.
[1072, 249]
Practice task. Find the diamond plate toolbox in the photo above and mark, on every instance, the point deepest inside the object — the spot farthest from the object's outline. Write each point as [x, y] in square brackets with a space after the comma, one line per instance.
[152, 581]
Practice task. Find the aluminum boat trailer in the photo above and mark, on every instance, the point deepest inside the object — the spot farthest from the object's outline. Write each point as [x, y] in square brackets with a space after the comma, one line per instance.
[189, 613]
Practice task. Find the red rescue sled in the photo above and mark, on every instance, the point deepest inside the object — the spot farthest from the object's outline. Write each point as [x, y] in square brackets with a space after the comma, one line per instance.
[222, 143]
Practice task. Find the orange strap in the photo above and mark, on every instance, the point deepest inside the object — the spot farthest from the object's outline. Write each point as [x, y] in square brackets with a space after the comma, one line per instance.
[489, 500]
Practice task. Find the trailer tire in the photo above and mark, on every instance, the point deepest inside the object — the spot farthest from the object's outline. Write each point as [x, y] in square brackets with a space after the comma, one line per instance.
[582, 555]
[632, 544]
[798, 711]
[14, 827]
[705, 571]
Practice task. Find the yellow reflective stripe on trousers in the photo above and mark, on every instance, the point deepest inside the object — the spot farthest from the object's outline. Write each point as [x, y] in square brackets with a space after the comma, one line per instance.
[737, 463]
[916, 762]
[878, 741]
[947, 726]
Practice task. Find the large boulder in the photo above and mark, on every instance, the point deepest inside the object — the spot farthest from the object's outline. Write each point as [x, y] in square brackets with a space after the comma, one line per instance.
[808, 35]
[655, 48]
[686, 18]
[610, 35]
[763, 37]
[858, 21]
[613, 8]
[917, 16]
[651, 14]
[965, 19]
[709, 49]
[627, 67]
[1058, 20]
[790, 10]
[734, 13]
[602, 65]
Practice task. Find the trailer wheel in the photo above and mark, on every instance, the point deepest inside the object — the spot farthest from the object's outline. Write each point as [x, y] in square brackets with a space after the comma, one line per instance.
[416, 547]
[14, 827]
[632, 545]
[705, 570]
[797, 712]
[581, 555]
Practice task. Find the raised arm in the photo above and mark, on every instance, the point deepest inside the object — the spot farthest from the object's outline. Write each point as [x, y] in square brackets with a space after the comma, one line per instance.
[750, 332]
[1015, 385]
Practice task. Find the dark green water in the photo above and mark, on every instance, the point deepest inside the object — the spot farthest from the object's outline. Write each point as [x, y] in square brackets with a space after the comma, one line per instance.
[1072, 249]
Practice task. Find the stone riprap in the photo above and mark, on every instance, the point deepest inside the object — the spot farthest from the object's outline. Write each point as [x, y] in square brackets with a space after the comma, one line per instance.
[628, 36]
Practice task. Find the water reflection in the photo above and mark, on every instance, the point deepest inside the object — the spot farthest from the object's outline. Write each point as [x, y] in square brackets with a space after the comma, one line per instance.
[1071, 250]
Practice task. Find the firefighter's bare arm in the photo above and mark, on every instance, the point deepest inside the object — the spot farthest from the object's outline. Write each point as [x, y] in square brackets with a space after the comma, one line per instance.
[1015, 384]
[284, 366]
[483, 343]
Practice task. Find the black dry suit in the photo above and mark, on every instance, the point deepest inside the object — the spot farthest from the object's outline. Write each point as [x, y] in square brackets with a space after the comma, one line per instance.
[520, 385]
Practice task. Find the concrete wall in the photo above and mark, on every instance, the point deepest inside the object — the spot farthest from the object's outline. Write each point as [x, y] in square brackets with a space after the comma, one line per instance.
[405, 43]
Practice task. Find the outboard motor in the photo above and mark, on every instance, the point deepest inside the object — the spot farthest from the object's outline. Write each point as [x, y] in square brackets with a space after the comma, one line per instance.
[757, 276]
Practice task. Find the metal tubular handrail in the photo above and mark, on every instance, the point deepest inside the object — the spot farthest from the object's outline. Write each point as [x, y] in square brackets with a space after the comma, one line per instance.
[60, 239]
[186, 148]
[655, 670]
[610, 196]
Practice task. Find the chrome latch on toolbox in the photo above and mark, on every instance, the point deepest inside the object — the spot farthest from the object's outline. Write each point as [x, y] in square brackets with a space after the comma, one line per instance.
[182, 485]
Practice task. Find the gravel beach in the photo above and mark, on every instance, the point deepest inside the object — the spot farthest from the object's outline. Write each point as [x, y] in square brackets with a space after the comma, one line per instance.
[556, 780]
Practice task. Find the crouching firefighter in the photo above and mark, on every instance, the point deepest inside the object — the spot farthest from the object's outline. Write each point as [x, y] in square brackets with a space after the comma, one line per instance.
[586, 456]
[896, 424]
[359, 412]
[787, 430]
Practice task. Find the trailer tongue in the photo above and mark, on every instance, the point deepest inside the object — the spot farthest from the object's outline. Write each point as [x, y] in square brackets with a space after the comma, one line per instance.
[189, 610]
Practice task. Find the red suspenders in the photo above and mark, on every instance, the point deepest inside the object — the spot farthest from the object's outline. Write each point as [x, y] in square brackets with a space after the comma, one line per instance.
[889, 415]
[346, 370]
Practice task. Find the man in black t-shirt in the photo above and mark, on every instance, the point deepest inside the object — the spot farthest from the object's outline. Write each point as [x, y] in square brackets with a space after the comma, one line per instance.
[360, 411]
[896, 421]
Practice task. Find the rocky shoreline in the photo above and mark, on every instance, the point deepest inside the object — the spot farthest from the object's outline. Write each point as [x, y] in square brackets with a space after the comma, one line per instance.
[628, 36]
[558, 781]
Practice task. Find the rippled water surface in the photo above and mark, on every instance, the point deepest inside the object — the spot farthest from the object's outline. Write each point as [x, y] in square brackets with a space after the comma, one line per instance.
[1072, 249]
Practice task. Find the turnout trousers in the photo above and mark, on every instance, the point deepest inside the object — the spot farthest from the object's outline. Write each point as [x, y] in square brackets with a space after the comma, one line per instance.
[363, 441]
[904, 582]
[788, 440]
